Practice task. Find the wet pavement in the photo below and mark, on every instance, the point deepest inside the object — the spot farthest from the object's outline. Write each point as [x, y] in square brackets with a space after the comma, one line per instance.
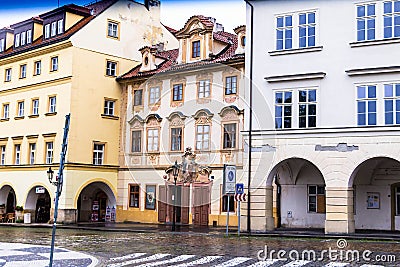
[119, 248]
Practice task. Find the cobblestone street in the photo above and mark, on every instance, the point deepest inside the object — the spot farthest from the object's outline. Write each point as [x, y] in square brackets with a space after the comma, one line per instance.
[187, 249]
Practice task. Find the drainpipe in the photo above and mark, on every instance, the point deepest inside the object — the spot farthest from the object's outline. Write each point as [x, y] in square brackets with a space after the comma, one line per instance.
[250, 115]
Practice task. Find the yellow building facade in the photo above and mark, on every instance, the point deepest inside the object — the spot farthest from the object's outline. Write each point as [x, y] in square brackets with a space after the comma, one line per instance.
[60, 62]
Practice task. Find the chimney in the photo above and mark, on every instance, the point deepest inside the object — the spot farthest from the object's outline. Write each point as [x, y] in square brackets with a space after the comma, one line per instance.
[160, 47]
[151, 3]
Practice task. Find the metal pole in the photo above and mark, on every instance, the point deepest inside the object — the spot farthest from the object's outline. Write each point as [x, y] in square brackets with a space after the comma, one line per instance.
[239, 218]
[174, 210]
[59, 184]
[227, 217]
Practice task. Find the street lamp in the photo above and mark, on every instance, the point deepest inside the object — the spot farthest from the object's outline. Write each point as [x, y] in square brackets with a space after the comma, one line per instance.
[175, 172]
[50, 174]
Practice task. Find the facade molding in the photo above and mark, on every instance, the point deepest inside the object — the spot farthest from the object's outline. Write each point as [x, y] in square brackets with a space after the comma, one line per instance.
[295, 77]
[371, 71]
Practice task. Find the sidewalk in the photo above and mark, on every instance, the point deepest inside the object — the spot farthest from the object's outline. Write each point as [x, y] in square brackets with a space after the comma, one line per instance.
[210, 230]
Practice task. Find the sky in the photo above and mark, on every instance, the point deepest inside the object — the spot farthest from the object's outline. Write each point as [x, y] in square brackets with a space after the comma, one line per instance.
[174, 13]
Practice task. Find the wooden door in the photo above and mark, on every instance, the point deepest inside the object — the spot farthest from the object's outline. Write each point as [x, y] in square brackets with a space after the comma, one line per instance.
[162, 203]
[185, 196]
[201, 203]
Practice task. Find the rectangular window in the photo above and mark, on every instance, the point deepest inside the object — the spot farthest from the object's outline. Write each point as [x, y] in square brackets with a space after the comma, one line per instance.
[23, 38]
[109, 107]
[38, 68]
[397, 190]
[111, 68]
[391, 19]
[366, 22]
[316, 198]
[366, 105]
[307, 108]
[17, 39]
[35, 106]
[49, 152]
[53, 28]
[136, 141]
[6, 111]
[392, 103]
[1, 45]
[112, 29]
[134, 196]
[20, 109]
[176, 139]
[196, 49]
[307, 29]
[8, 73]
[138, 97]
[46, 31]
[32, 152]
[60, 26]
[52, 104]
[202, 137]
[22, 71]
[283, 110]
[17, 154]
[154, 95]
[29, 36]
[230, 85]
[98, 154]
[229, 135]
[204, 89]
[225, 203]
[3, 155]
[152, 140]
[284, 32]
[177, 92]
[54, 64]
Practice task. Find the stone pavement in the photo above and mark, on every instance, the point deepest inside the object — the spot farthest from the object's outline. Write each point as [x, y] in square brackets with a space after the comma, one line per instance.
[22, 255]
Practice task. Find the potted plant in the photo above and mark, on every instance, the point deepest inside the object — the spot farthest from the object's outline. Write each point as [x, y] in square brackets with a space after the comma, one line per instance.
[19, 215]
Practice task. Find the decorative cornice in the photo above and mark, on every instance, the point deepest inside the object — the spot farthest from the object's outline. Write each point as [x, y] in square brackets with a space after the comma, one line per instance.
[33, 136]
[176, 113]
[20, 137]
[296, 77]
[155, 116]
[49, 135]
[295, 51]
[377, 70]
[203, 111]
[136, 118]
[375, 42]
[3, 139]
[231, 107]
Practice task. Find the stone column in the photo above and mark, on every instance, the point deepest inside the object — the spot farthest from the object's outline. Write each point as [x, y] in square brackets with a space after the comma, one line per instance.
[339, 210]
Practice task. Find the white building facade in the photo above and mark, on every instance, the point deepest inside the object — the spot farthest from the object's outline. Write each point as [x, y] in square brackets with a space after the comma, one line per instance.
[326, 109]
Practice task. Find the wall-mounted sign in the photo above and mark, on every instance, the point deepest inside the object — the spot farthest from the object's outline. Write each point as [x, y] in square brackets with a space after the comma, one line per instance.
[40, 190]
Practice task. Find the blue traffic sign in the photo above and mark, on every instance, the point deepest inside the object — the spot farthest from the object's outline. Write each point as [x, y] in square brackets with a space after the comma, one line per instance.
[239, 188]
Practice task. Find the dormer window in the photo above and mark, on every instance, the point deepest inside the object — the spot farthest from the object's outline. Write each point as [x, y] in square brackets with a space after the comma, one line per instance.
[146, 60]
[112, 29]
[1, 45]
[196, 49]
[243, 41]
[29, 36]
[53, 28]
[46, 31]
[17, 36]
[60, 26]
[23, 38]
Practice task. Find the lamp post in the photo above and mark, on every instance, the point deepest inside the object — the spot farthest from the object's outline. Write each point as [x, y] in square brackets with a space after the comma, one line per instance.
[175, 172]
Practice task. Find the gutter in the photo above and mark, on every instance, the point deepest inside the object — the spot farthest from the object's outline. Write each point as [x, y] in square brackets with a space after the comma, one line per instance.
[250, 116]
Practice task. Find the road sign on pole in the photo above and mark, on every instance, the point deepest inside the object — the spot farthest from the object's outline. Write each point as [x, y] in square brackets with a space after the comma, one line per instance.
[229, 180]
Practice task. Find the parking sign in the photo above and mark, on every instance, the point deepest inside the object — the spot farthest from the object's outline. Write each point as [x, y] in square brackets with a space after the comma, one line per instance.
[229, 180]
[239, 188]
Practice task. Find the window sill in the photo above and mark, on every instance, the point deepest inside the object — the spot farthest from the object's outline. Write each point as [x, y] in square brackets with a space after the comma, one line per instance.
[150, 153]
[375, 42]
[50, 113]
[33, 116]
[110, 117]
[5, 119]
[295, 51]
[225, 150]
[19, 118]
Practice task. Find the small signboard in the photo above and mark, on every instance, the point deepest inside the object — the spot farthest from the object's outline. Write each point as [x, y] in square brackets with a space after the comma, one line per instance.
[229, 181]
[239, 188]
[40, 190]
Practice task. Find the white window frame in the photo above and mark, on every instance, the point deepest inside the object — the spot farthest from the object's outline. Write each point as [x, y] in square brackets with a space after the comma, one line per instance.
[287, 43]
[282, 106]
[60, 26]
[54, 63]
[49, 152]
[21, 108]
[8, 75]
[38, 67]
[231, 85]
[229, 134]
[22, 71]
[2, 45]
[32, 153]
[47, 31]
[111, 68]
[365, 19]
[112, 29]
[394, 98]
[136, 142]
[153, 140]
[98, 154]
[17, 38]
[23, 38]
[308, 103]
[154, 95]
[176, 139]
[35, 106]
[109, 107]
[53, 28]
[17, 154]
[203, 90]
[29, 36]
[3, 155]
[366, 100]
[52, 104]
[203, 137]
[6, 111]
